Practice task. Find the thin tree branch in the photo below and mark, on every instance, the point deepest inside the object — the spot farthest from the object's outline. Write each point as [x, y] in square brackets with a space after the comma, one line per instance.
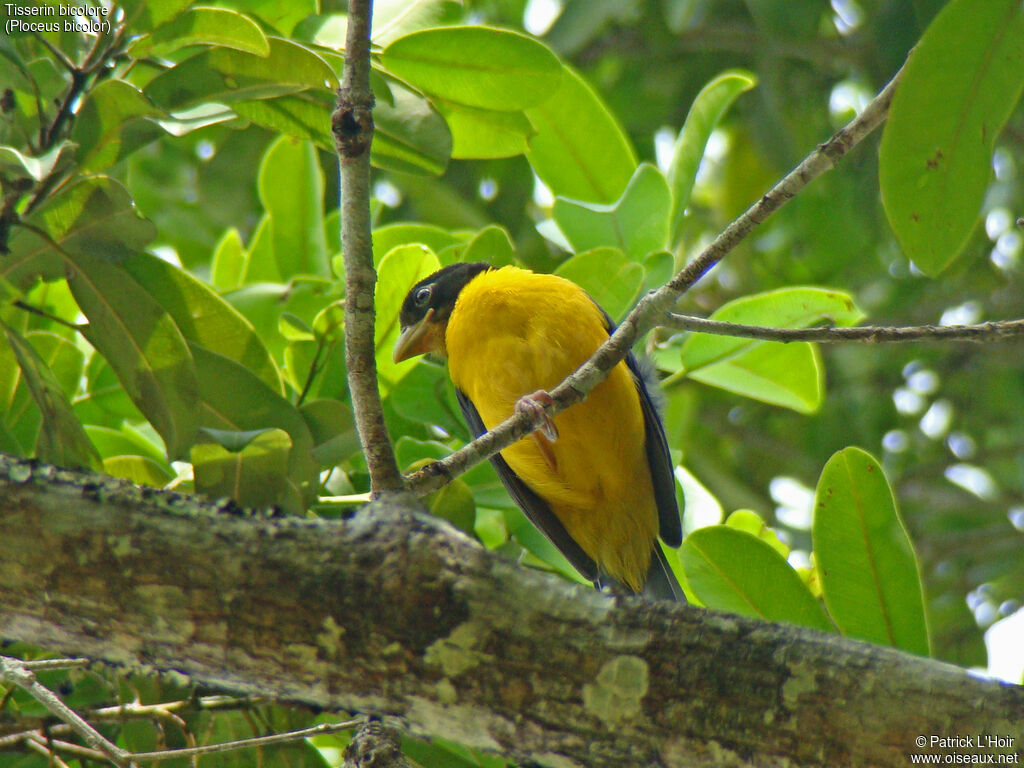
[258, 741]
[14, 671]
[51, 664]
[1002, 330]
[352, 124]
[651, 309]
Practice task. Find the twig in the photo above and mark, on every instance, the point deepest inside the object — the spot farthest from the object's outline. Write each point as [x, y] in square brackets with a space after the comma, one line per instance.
[39, 745]
[259, 741]
[14, 671]
[1001, 330]
[652, 308]
[64, 746]
[49, 664]
[352, 124]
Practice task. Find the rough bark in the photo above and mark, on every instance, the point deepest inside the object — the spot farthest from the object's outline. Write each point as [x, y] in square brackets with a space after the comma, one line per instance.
[396, 613]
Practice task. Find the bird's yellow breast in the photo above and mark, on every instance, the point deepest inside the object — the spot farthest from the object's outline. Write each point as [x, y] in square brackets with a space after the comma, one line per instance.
[513, 332]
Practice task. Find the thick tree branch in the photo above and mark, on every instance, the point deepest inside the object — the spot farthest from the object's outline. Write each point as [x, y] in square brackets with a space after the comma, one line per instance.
[1001, 330]
[352, 124]
[651, 310]
[399, 614]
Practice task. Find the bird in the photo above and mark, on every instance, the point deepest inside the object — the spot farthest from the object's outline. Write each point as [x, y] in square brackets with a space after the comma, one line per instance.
[597, 478]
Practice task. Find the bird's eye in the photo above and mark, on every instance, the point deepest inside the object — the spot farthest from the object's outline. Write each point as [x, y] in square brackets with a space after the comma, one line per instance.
[423, 296]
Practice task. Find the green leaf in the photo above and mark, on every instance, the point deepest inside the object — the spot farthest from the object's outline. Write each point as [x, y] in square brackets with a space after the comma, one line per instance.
[229, 259]
[333, 429]
[14, 164]
[204, 26]
[476, 66]
[541, 552]
[731, 570]
[491, 244]
[424, 395]
[140, 470]
[99, 127]
[637, 223]
[95, 215]
[390, 236]
[143, 15]
[482, 134]
[61, 439]
[225, 75]
[124, 441]
[787, 375]
[204, 317]
[143, 345]
[394, 18]
[402, 268]
[233, 399]
[751, 522]
[409, 135]
[454, 503]
[299, 115]
[579, 150]
[253, 473]
[866, 561]
[105, 401]
[291, 187]
[796, 307]
[612, 280]
[936, 152]
[704, 115]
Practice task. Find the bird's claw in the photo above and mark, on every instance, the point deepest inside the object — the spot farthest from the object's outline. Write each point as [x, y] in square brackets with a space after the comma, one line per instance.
[534, 405]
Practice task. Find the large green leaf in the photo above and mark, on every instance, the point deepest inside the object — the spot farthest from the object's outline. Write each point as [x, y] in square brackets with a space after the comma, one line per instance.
[226, 75]
[637, 223]
[204, 26]
[731, 570]
[301, 115]
[410, 136]
[291, 187]
[390, 236]
[143, 345]
[611, 279]
[481, 134]
[204, 317]
[95, 215]
[961, 84]
[491, 244]
[394, 18]
[234, 400]
[787, 375]
[14, 163]
[579, 149]
[61, 438]
[704, 115]
[476, 66]
[866, 561]
[253, 474]
[99, 126]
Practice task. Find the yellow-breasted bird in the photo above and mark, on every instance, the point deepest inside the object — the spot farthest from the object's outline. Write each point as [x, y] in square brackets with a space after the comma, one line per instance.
[597, 478]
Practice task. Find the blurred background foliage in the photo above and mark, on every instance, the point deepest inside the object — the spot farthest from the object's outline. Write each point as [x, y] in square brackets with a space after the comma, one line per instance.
[252, 216]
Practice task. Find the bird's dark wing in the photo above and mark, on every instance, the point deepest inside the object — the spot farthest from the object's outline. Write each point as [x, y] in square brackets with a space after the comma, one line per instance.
[658, 458]
[532, 505]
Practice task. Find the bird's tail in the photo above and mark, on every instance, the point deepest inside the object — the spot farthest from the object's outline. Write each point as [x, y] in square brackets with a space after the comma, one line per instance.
[661, 583]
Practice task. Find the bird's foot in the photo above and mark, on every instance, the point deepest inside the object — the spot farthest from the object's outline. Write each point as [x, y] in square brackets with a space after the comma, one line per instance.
[534, 404]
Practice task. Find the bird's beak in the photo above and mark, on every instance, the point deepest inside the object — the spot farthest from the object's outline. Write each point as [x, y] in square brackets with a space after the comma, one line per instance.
[417, 339]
